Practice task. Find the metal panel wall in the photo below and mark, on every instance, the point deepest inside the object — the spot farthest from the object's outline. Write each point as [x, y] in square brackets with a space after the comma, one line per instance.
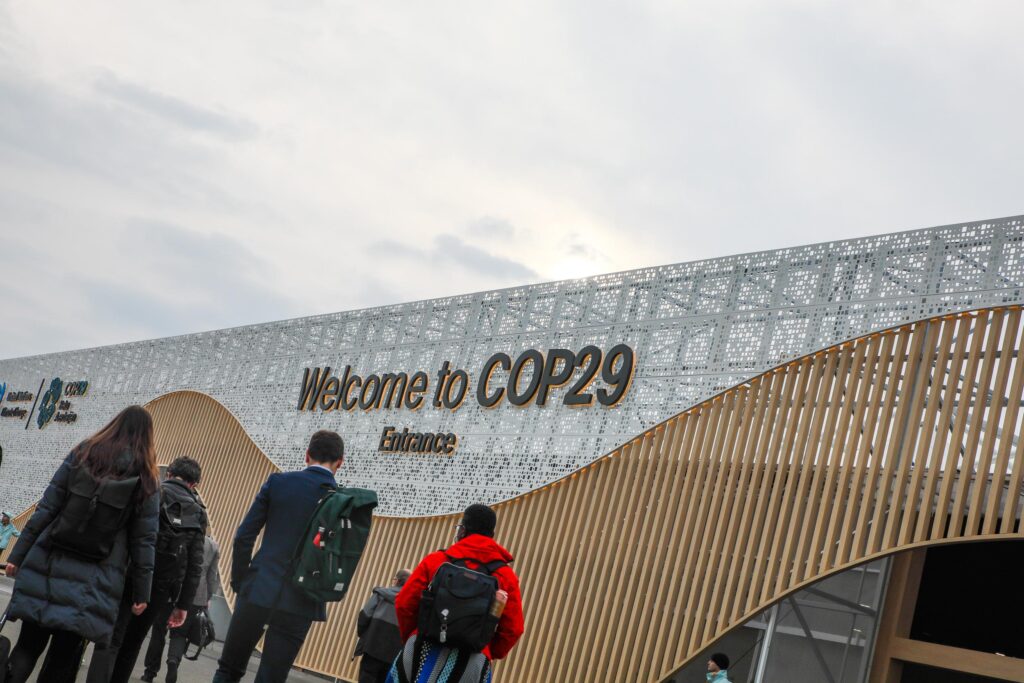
[697, 328]
[635, 563]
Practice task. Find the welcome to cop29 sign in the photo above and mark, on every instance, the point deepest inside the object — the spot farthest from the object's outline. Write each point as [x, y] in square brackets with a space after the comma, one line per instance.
[578, 379]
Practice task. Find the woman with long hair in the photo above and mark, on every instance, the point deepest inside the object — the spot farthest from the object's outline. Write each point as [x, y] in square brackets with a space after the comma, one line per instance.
[97, 519]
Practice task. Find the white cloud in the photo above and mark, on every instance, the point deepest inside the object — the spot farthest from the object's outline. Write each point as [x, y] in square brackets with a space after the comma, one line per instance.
[551, 139]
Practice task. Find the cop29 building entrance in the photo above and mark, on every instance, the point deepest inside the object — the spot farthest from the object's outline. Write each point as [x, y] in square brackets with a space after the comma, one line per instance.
[765, 453]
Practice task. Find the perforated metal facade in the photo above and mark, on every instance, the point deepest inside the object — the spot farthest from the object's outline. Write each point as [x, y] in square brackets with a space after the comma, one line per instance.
[697, 328]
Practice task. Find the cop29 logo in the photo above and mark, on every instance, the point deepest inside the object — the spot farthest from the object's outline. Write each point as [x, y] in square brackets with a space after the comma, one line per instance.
[50, 401]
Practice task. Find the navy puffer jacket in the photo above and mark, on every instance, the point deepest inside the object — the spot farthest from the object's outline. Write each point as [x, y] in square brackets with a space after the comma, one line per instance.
[59, 590]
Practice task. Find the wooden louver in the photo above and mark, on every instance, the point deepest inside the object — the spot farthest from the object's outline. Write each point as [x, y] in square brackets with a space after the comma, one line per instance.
[637, 562]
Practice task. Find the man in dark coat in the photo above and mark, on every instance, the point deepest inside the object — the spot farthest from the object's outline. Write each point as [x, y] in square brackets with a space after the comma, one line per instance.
[377, 627]
[176, 573]
[282, 509]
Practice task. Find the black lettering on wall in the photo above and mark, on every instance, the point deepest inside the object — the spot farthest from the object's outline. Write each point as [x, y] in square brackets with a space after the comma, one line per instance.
[616, 375]
[456, 389]
[390, 382]
[558, 368]
[533, 376]
[349, 381]
[370, 392]
[442, 377]
[312, 384]
[589, 358]
[482, 397]
[417, 387]
[535, 359]
[329, 394]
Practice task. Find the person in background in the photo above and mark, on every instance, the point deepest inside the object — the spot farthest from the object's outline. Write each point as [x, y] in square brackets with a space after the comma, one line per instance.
[7, 530]
[64, 598]
[718, 667]
[266, 597]
[379, 641]
[209, 585]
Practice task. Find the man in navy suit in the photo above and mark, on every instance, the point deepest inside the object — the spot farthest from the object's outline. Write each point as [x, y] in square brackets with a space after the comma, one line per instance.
[266, 597]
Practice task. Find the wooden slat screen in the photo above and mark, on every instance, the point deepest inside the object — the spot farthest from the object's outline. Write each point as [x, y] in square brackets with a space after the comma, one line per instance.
[634, 564]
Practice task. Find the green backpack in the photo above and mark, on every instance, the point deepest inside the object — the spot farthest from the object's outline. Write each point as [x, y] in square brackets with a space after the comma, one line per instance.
[328, 554]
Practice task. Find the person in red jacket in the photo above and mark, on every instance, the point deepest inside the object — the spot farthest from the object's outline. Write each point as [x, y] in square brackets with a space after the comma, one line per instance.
[474, 542]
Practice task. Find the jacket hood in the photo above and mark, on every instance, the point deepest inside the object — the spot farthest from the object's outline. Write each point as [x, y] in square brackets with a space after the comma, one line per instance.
[178, 489]
[479, 548]
[387, 593]
[191, 510]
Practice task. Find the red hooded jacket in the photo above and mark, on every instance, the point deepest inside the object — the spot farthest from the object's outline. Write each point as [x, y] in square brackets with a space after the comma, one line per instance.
[477, 550]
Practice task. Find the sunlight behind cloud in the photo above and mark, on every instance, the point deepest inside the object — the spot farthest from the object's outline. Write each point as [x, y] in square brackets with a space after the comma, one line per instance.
[575, 266]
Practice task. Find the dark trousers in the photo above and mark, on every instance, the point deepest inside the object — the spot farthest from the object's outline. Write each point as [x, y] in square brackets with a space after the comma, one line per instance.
[176, 647]
[114, 663]
[373, 670]
[155, 651]
[285, 635]
[62, 659]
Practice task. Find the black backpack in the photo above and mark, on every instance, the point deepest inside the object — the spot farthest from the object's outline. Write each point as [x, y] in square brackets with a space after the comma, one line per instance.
[455, 609]
[94, 511]
[179, 521]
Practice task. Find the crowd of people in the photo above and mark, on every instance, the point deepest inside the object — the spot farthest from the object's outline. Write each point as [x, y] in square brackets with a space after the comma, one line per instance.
[114, 552]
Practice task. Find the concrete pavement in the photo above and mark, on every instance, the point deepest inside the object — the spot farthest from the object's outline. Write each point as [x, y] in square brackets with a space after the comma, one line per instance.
[199, 671]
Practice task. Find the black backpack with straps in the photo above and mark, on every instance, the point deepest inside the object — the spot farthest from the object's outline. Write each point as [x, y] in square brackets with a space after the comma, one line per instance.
[182, 517]
[456, 608]
[94, 511]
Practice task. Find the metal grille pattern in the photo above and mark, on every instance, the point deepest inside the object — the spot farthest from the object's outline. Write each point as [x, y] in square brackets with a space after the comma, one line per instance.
[697, 329]
[638, 562]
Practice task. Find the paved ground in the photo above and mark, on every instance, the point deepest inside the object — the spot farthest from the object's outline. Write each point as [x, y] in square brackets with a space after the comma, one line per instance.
[198, 671]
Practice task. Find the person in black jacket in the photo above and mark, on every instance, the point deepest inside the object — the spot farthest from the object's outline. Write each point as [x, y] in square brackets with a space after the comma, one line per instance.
[65, 599]
[176, 573]
[209, 585]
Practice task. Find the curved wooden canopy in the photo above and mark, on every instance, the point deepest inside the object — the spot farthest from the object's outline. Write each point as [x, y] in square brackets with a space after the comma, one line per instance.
[636, 563]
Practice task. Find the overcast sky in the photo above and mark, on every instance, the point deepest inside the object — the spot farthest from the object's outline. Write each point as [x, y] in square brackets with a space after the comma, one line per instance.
[171, 167]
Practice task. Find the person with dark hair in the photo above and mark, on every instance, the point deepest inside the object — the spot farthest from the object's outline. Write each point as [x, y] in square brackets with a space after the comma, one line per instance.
[266, 597]
[70, 569]
[718, 667]
[176, 574]
[475, 549]
[377, 627]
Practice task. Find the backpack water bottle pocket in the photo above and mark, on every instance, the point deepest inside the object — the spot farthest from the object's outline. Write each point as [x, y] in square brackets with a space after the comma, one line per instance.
[425, 618]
